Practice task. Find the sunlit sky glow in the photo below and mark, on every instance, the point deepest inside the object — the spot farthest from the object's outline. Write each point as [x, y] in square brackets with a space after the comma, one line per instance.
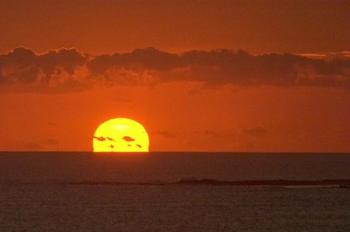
[200, 75]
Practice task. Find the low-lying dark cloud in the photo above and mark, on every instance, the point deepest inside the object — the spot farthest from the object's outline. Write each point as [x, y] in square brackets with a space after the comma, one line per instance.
[128, 139]
[256, 131]
[69, 69]
[165, 133]
[52, 142]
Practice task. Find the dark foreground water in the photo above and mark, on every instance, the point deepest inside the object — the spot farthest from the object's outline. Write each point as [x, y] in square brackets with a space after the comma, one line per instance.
[95, 192]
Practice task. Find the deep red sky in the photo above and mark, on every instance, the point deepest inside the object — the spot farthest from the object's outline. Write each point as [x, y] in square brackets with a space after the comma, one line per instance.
[109, 26]
[198, 101]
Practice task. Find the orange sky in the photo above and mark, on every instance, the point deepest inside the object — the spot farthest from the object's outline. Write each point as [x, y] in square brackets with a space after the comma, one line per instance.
[203, 100]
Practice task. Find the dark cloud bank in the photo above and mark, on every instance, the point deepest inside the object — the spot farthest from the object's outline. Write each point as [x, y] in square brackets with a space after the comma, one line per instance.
[69, 69]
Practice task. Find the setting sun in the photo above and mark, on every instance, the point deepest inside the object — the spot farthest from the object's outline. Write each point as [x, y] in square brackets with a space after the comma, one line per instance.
[120, 135]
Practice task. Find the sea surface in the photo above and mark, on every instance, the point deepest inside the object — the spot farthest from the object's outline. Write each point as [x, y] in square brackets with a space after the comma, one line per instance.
[74, 191]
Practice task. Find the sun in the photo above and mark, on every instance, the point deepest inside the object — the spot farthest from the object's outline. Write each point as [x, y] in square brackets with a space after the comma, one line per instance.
[120, 135]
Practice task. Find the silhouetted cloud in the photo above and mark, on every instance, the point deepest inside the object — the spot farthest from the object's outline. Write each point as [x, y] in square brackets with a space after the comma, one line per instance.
[51, 141]
[164, 133]
[52, 124]
[256, 131]
[211, 133]
[110, 139]
[69, 69]
[128, 139]
[101, 138]
[30, 146]
[60, 69]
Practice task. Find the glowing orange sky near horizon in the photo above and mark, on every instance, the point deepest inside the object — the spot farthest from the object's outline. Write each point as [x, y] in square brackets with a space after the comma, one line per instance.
[184, 118]
[191, 109]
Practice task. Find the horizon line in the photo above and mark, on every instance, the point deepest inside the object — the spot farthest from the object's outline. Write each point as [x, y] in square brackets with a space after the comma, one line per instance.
[159, 151]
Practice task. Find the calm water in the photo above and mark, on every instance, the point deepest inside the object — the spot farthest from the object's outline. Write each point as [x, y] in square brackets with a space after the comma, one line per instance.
[37, 192]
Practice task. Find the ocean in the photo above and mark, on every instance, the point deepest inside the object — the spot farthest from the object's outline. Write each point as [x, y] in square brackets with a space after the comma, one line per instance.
[77, 191]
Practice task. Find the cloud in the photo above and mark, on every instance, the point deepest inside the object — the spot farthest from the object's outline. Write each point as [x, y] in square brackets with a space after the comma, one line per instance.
[220, 134]
[256, 131]
[128, 139]
[165, 133]
[32, 146]
[70, 70]
[52, 142]
[52, 124]
[101, 139]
